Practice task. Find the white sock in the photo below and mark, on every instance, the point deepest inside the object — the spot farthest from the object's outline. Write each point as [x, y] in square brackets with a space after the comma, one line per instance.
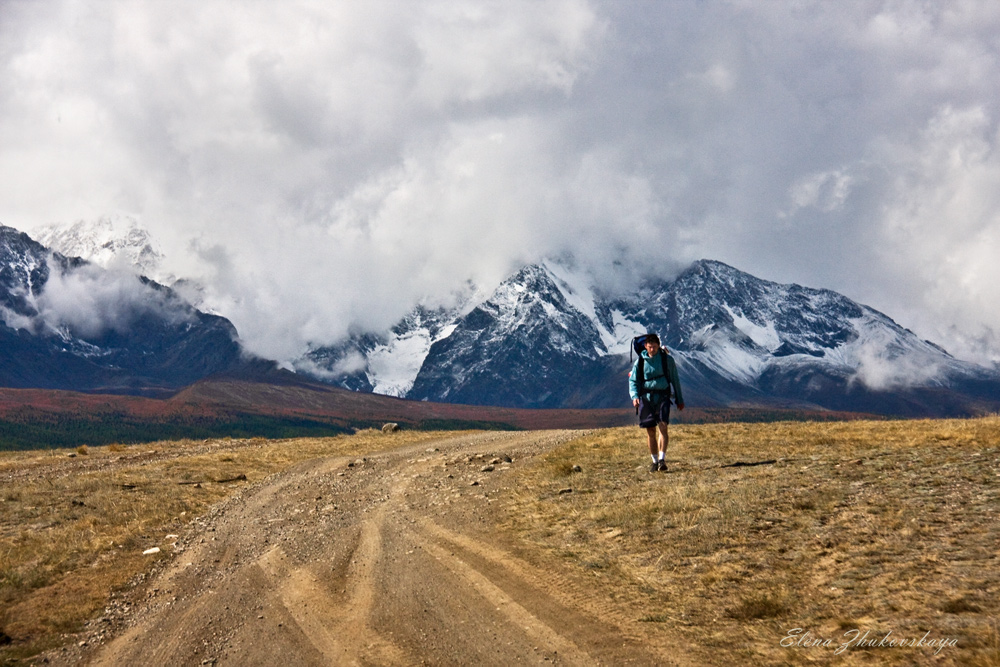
[652, 457]
[662, 454]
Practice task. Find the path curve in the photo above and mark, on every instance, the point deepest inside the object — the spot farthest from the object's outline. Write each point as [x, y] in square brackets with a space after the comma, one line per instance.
[389, 560]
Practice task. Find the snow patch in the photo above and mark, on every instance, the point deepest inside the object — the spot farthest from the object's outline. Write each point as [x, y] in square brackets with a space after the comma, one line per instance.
[114, 242]
[620, 340]
[393, 368]
[764, 336]
[718, 351]
[576, 289]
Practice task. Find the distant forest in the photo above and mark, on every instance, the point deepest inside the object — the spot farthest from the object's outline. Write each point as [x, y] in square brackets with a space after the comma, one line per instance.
[72, 431]
[36, 429]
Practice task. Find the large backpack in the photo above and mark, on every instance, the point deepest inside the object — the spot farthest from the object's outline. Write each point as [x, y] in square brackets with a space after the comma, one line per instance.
[638, 346]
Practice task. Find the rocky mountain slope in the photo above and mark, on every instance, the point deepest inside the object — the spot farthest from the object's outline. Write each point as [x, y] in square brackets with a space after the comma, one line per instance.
[68, 324]
[545, 338]
[108, 242]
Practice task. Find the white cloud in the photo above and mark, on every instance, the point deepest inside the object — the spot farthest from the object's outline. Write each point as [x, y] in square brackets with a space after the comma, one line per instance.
[941, 230]
[319, 166]
[479, 51]
[826, 191]
[15, 320]
[910, 369]
[350, 363]
[89, 301]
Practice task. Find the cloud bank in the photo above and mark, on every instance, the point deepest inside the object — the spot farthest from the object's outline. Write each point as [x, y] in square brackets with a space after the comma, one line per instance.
[320, 166]
[89, 302]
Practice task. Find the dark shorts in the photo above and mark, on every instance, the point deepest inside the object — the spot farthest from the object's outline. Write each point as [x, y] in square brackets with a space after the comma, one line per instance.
[650, 414]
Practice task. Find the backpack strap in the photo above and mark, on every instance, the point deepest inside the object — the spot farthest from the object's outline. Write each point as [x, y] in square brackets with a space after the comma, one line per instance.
[640, 380]
[640, 376]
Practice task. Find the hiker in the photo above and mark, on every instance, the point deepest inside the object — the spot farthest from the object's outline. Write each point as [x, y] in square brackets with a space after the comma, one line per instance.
[651, 394]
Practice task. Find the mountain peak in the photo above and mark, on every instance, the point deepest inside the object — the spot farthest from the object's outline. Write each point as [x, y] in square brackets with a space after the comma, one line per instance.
[66, 323]
[546, 338]
[109, 241]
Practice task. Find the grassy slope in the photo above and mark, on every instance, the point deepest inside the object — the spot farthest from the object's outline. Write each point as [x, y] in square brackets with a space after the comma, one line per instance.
[862, 526]
[73, 531]
[879, 526]
[36, 418]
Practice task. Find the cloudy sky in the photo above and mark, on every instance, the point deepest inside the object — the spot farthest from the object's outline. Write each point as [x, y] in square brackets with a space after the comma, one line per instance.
[321, 165]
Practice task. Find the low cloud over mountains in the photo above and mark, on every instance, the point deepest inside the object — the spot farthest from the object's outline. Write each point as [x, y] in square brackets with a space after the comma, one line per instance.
[318, 167]
[68, 324]
[546, 337]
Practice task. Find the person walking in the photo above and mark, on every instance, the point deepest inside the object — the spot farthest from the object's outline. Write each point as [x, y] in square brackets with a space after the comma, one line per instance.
[651, 383]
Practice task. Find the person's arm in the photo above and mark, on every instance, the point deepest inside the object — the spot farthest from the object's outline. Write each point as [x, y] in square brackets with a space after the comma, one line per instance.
[675, 380]
[633, 387]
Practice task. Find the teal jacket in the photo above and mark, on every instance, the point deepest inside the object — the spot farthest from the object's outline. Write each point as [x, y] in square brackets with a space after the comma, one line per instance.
[656, 378]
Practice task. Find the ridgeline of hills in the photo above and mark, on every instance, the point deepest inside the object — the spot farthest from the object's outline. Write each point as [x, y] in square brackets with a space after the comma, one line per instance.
[543, 339]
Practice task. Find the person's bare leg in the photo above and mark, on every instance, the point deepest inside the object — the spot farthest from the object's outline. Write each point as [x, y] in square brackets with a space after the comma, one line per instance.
[653, 440]
[662, 438]
[661, 444]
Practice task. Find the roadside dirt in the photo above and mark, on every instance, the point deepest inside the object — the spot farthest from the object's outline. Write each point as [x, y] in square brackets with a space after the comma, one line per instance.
[394, 559]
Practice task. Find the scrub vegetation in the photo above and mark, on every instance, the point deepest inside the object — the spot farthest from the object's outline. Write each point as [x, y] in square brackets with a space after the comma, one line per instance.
[761, 544]
[74, 525]
[779, 543]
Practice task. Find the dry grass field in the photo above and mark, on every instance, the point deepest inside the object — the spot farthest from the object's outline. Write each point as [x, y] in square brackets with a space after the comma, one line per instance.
[72, 530]
[840, 542]
[848, 543]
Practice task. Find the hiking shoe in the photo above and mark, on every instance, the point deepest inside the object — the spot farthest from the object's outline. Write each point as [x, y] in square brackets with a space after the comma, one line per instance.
[653, 467]
[662, 466]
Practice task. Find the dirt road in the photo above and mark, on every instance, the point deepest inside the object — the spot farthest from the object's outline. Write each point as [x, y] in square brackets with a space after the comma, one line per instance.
[390, 560]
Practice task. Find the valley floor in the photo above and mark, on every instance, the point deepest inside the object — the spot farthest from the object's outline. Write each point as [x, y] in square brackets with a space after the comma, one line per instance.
[390, 559]
[790, 543]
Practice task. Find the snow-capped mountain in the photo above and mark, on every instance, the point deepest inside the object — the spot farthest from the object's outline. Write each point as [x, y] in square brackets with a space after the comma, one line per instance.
[66, 323]
[389, 363]
[120, 243]
[535, 342]
[731, 330]
[110, 242]
[546, 338]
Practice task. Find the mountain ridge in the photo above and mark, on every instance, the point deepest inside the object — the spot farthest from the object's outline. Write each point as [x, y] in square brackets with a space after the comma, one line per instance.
[546, 337]
[68, 324]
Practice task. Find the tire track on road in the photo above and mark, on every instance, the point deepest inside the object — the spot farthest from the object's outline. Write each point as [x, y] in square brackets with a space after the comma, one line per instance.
[546, 589]
[534, 627]
[390, 559]
[339, 631]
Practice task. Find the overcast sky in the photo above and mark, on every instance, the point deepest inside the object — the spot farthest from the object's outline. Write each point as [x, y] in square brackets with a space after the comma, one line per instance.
[321, 165]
